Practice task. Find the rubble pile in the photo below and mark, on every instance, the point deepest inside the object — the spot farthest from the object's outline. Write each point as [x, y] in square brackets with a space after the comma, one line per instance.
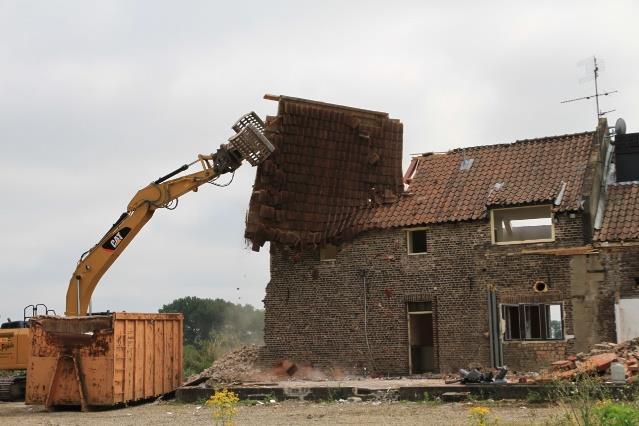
[234, 367]
[598, 362]
[246, 365]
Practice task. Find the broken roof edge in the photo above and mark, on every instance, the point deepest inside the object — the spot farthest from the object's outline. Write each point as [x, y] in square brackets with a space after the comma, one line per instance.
[278, 98]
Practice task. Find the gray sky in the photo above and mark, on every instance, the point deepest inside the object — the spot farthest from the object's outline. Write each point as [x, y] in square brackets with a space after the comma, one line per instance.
[99, 98]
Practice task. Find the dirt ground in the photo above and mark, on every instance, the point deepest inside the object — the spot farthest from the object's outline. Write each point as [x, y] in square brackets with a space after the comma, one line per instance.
[285, 413]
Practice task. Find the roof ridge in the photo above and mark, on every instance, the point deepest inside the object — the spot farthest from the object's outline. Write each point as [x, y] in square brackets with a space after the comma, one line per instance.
[544, 139]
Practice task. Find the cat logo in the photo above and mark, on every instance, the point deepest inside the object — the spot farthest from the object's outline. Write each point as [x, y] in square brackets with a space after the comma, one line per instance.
[114, 240]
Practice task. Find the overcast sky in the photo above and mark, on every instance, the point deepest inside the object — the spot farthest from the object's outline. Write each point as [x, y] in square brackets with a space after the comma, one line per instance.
[97, 99]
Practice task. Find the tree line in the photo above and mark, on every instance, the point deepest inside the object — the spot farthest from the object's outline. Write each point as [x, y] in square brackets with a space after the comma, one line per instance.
[213, 327]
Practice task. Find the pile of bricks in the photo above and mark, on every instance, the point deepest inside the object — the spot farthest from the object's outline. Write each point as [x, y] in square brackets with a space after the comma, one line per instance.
[598, 362]
[233, 367]
[248, 365]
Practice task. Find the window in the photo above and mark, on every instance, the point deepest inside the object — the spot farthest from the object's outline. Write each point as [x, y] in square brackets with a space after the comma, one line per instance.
[416, 241]
[533, 322]
[328, 252]
[522, 225]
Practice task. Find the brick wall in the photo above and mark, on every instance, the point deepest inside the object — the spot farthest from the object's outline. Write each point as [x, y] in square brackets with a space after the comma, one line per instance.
[315, 310]
[620, 267]
[529, 356]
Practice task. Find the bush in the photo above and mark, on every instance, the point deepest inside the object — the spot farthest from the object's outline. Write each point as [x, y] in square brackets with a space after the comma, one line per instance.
[616, 414]
[578, 400]
[196, 359]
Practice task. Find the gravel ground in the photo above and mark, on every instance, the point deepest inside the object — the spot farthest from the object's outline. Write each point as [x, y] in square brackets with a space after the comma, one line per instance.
[285, 413]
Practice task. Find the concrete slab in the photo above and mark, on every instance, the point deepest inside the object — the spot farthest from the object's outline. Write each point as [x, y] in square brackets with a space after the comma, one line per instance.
[373, 389]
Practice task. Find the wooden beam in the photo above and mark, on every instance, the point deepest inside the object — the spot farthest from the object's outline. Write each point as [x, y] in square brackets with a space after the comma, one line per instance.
[563, 251]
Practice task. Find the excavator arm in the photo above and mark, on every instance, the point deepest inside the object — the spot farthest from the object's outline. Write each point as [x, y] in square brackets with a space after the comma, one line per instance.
[249, 143]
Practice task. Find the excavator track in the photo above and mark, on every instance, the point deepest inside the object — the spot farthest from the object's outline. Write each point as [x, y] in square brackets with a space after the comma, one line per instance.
[12, 388]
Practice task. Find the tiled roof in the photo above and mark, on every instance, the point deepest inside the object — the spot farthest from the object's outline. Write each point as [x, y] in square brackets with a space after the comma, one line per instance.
[621, 215]
[330, 163]
[524, 172]
[336, 172]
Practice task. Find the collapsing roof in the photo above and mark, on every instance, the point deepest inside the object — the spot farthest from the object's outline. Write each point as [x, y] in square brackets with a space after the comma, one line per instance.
[336, 172]
[331, 163]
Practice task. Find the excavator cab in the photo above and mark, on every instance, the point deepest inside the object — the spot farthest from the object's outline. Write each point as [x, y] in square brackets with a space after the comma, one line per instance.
[14, 352]
[13, 324]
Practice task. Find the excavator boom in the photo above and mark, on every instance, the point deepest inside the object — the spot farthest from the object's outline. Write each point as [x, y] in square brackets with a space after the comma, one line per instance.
[249, 143]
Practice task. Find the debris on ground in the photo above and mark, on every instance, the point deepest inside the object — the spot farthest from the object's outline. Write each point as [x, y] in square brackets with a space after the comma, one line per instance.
[476, 376]
[599, 362]
[246, 365]
[233, 367]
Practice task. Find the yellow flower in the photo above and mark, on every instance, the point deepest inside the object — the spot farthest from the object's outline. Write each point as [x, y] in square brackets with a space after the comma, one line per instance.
[480, 411]
[224, 405]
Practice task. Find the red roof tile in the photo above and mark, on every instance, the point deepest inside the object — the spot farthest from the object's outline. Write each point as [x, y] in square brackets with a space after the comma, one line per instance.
[330, 162]
[524, 172]
[621, 215]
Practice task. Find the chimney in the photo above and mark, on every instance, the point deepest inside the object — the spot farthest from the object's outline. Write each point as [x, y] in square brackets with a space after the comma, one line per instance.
[627, 157]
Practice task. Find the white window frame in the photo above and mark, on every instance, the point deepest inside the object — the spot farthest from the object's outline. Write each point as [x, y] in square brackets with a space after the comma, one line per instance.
[519, 306]
[409, 241]
[505, 243]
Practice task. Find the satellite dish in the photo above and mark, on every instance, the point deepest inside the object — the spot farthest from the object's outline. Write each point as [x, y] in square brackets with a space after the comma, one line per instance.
[620, 127]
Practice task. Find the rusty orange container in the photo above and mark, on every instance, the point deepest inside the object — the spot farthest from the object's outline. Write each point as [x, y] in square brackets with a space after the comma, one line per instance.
[103, 360]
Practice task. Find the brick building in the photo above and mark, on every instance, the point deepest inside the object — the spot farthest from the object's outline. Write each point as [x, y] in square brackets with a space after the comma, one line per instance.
[617, 236]
[478, 256]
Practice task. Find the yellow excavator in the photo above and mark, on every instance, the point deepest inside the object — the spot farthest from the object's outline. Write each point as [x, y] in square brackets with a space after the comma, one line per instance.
[14, 352]
[248, 143]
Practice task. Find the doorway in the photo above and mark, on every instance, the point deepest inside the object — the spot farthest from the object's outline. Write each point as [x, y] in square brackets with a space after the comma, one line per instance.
[421, 354]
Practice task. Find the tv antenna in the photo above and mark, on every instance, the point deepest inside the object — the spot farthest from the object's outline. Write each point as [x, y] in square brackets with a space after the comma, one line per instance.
[592, 66]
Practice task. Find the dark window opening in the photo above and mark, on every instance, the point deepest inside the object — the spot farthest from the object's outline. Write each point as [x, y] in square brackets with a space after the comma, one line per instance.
[533, 322]
[417, 241]
[420, 306]
[511, 316]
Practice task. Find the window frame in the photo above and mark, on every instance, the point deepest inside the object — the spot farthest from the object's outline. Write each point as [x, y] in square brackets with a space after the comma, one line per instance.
[409, 241]
[544, 322]
[493, 235]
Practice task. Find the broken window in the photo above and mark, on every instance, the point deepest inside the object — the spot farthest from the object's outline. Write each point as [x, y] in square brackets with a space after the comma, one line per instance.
[416, 241]
[522, 224]
[533, 322]
[328, 252]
